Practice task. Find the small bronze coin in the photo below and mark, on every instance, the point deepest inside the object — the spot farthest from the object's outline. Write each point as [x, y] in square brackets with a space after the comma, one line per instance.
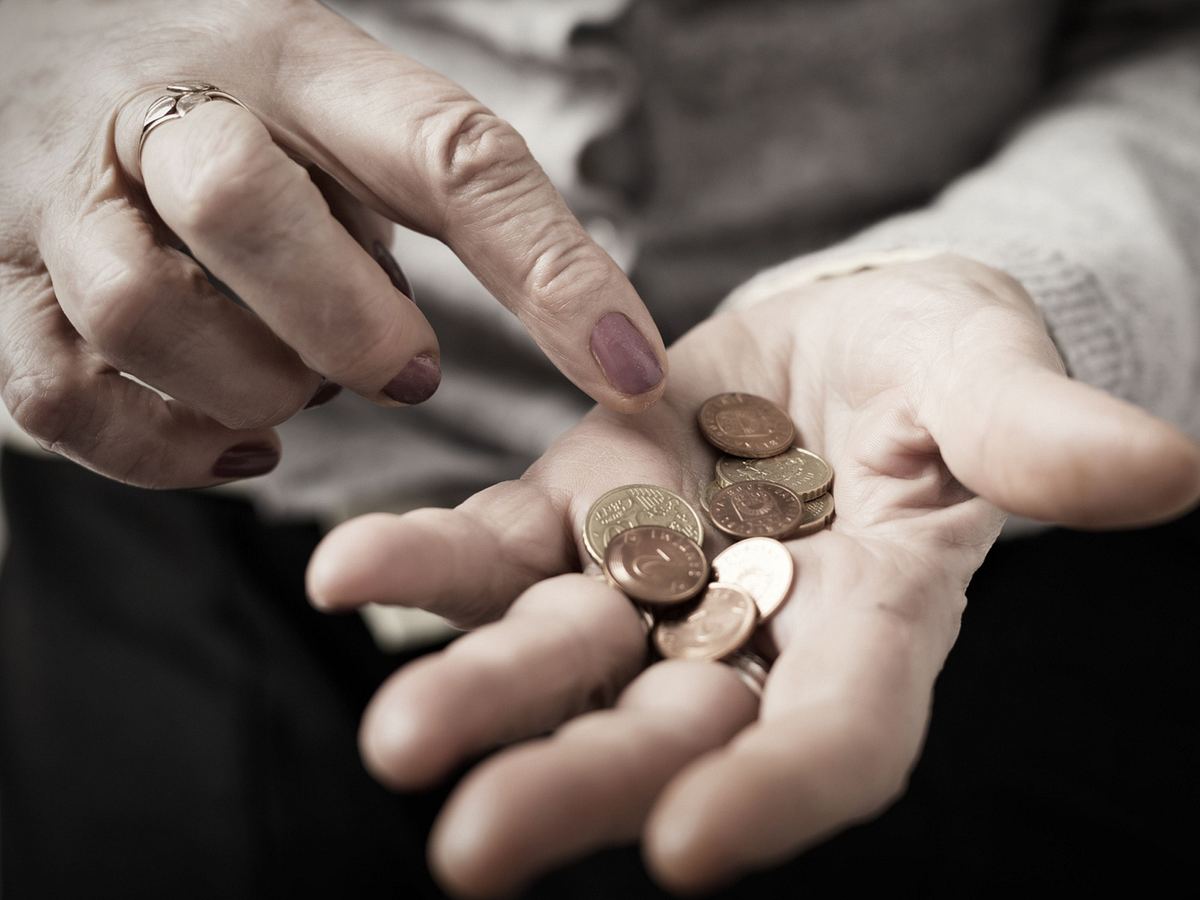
[817, 514]
[745, 425]
[756, 509]
[637, 504]
[761, 566]
[799, 469]
[655, 565]
[721, 624]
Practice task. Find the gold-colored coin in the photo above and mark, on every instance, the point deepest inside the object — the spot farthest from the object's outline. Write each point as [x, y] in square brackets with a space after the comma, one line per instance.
[745, 425]
[817, 514]
[637, 504]
[706, 496]
[719, 625]
[761, 566]
[803, 471]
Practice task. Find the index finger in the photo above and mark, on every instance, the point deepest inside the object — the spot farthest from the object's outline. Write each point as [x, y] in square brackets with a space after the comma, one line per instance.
[421, 150]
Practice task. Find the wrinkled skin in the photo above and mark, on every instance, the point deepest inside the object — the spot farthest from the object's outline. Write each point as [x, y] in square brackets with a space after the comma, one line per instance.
[286, 204]
[936, 394]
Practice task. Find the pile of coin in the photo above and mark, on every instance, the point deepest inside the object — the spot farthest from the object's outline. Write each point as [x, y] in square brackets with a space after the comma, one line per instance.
[649, 540]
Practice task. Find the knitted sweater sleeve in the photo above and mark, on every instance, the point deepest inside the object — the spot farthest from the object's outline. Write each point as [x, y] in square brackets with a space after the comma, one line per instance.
[1093, 205]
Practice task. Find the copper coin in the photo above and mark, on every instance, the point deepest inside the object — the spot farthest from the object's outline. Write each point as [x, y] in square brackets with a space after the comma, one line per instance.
[761, 566]
[746, 425]
[637, 504]
[799, 469]
[817, 514]
[756, 508]
[656, 565]
[720, 624]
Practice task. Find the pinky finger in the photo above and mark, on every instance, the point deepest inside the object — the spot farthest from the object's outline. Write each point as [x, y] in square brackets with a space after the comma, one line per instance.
[74, 404]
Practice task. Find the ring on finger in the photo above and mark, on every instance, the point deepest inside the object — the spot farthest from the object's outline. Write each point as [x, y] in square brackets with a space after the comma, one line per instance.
[751, 668]
[179, 100]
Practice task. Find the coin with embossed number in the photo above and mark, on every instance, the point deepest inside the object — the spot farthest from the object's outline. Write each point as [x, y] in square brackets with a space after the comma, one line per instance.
[656, 565]
[799, 469]
[756, 508]
[817, 514]
[745, 425]
[763, 567]
[637, 504]
[720, 624]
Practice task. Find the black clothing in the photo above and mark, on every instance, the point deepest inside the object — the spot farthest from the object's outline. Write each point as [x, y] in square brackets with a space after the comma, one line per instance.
[176, 722]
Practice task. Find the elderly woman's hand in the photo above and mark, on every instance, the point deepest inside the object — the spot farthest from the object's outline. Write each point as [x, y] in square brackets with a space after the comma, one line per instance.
[934, 391]
[286, 205]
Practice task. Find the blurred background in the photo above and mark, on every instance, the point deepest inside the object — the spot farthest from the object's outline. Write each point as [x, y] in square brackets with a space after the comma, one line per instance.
[176, 721]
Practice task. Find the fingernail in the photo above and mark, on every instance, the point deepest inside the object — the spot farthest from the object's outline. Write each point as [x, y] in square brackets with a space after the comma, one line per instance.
[246, 461]
[625, 357]
[388, 263]
[326, 391]
[417, 382]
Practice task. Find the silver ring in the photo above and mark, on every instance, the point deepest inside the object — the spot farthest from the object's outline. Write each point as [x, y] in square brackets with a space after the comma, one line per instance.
[180, 100]
[751, 668]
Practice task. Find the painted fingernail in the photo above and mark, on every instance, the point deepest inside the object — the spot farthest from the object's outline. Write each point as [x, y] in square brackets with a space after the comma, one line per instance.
[326, 391]
[388, 263]
[625, 357]
[417, 382]
[246, 461]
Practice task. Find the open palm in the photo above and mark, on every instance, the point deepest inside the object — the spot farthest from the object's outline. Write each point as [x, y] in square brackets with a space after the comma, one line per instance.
[935, 393]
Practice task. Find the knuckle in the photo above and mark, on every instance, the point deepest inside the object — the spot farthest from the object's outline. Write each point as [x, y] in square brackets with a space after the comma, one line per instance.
[566, 270]
[480, 153]
[114, 301]
[46, 407]
[238, 177]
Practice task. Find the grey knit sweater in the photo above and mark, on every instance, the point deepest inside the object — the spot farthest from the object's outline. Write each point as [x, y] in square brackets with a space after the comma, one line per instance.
[705, 140]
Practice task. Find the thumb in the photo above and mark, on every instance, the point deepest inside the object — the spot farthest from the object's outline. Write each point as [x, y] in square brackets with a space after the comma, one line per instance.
[1016, 430]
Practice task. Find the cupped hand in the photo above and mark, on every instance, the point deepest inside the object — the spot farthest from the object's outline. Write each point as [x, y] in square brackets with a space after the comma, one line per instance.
[286, 205]
[934, 391]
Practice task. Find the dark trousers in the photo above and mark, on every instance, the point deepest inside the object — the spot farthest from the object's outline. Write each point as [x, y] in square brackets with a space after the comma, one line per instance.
[175, 721]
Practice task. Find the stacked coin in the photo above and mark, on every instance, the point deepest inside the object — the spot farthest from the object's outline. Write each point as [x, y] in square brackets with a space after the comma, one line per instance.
[648, 539]
[763, 485]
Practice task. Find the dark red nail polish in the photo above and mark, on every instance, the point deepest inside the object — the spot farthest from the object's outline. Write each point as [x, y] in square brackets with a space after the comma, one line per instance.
[624, 355]
[395, 274]
[246, 461]
[417, 382]
[326, 391]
